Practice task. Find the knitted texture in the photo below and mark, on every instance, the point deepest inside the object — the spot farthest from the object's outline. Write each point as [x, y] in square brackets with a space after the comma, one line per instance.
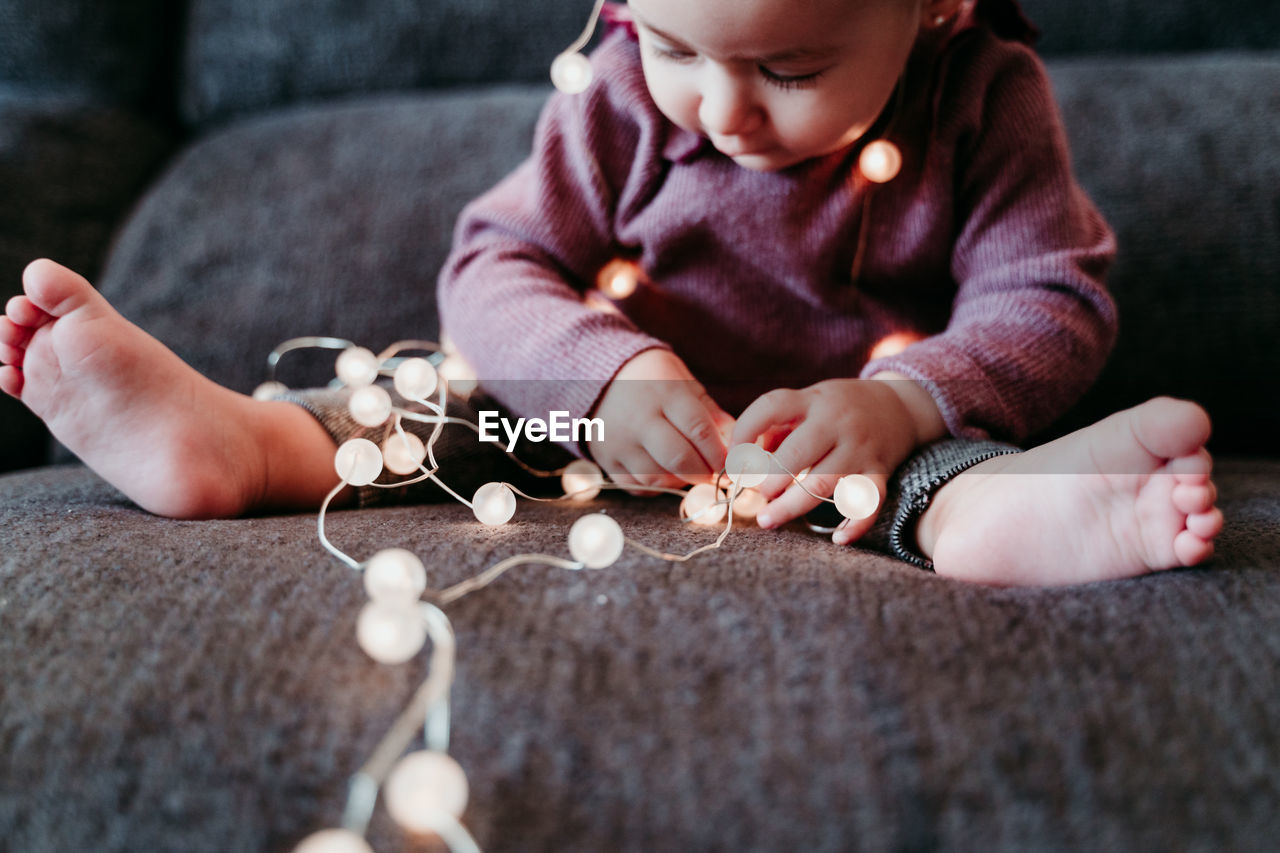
[983, 248]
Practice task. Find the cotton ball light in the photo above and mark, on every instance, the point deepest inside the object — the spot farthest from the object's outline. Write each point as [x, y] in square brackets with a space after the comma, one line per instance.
[422, 785]
[269, 390]
[358, 461]
[333, 841]
[403, 453]
[571, 73]
[748, 503]
[494, 503]
[582, 480]
[596, 540]
[856, 496]
[391, 631]
[460, 375]
[394, 574]
[357, 367]
[747, 465]
[702, 504]
[880, 161]
[618, 279]
[415, 379]
[370, 406]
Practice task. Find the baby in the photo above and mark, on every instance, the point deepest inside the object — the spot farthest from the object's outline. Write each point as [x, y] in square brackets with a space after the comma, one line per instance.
[722, 155]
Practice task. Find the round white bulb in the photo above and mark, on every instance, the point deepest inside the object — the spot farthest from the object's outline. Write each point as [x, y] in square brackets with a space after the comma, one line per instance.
[856, 496]
[460, 375]
[394, 574]
[880, 161]
[370, 406]
[333, 841]
[403, 454]
[358, 461]
[415, 379]
[595, 541]
[269, 390]
[582, 480]
[357, 367]
[700, 504]
[423, 784]
[748, 503]
[571, 73]
[747, 465]
[391, 631]
[494, 503]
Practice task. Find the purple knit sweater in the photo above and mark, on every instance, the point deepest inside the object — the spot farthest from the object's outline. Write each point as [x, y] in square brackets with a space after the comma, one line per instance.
[983, 247]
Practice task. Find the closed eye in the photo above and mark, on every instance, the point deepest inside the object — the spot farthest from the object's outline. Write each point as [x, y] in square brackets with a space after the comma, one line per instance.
[790, 81]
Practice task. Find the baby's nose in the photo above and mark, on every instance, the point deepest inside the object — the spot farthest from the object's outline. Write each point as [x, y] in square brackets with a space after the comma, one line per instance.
[728, 108]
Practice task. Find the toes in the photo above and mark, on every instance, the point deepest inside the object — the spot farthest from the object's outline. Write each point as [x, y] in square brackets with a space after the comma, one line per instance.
[21, 311]
[1190, 498]
[1169, 428]
[1191, 550]
[1206, 525]
[56, 290]
[11, 380]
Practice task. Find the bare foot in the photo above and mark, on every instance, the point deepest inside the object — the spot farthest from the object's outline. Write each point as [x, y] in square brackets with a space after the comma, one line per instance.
[1128, 495]
[173, 441]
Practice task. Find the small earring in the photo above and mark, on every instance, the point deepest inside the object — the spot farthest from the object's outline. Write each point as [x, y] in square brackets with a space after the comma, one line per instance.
[939, 20]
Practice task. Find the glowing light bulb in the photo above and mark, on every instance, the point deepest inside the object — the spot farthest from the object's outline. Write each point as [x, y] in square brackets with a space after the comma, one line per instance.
[391, 631]
[494, 503]
[269, 390]
[394, 574]
[618, 279]
[856, 496]
[880, 161]
[582, 480]
[415, 379]
[370, 406]
[893, 344]
[423, 784]
[748, 503]
[403, 454]
[700, 504]
[333, 841]
[460, 375]
[595, 541]
[571, 73]
[748, 465]
[357, 367]
[358, 461]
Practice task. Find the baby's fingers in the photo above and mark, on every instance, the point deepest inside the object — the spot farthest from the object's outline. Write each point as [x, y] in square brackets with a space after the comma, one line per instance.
[696, 450]
[772, 410]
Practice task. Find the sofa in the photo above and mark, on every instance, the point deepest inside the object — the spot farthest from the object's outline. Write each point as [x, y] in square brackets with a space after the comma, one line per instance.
[235, 173]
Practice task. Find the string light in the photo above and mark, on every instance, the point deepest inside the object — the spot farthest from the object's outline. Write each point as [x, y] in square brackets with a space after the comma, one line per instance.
[358, 461]
[333, 841]
[357, 367]
[370, 406]
[571, 70]
[618, 279]
[596, 541]
[394, 574]
[494, 504]
[582, 480]
[880, 161]
[856, 496]
[403, 453]
[415, 379]
[423, 785]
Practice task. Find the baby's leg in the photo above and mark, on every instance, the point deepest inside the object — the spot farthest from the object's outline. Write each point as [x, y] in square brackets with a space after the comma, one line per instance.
[1128, 495]
[173, 441]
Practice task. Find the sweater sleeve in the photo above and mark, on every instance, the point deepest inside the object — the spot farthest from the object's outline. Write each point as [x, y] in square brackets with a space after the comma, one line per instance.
[1032, 322]
[511, 293]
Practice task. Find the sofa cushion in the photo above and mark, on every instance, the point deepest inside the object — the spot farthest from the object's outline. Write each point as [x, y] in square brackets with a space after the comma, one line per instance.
[1180, 155]
[114, 53]
[332, 220]
[1140, 26]
[247, 55]
[196, 686]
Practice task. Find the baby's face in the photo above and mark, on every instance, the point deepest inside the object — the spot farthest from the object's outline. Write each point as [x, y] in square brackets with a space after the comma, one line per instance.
[774, 82]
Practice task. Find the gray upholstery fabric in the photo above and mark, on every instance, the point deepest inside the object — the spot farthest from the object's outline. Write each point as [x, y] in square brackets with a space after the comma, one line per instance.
[68, 174]
[1135, 26]
[1199, 260]
[115, 53]
[246, 55]
[195, 686]
[329, 220]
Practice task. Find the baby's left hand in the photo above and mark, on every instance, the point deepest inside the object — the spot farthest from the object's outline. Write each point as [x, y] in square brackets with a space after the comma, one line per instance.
[835, 427]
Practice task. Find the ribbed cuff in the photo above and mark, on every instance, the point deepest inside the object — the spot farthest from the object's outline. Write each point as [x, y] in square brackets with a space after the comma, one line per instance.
[913, 486]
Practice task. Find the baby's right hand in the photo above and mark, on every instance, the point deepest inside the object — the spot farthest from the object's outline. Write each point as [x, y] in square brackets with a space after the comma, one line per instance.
[661, 427]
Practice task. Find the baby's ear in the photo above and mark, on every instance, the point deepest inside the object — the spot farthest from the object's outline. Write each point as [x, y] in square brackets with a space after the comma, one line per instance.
[937, 13]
